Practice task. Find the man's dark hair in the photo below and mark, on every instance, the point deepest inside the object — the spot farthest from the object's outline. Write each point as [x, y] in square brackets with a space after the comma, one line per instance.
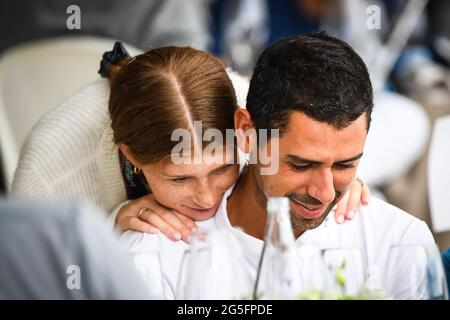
[314, 73]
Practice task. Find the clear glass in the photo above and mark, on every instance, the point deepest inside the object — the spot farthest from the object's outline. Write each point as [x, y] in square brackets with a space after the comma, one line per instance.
[345, 273]
[312, 272]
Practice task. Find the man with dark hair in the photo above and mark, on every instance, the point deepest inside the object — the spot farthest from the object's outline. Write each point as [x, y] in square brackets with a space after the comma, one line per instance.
[316, 91]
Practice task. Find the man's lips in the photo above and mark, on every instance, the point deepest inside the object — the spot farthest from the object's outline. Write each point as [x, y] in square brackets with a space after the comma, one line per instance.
[308, 211]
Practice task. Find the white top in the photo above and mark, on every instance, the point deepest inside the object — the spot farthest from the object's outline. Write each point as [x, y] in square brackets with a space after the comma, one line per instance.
[374, 230]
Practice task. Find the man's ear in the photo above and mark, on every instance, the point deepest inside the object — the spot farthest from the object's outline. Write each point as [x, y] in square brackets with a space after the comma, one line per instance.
[245, 131]
[127, 153]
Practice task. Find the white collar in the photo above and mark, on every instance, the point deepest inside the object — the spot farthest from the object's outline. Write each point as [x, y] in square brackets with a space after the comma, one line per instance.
[253, 246]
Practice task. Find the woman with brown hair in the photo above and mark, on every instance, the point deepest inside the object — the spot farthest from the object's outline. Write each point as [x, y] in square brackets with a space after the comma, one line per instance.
[151, 96]
[119, 158]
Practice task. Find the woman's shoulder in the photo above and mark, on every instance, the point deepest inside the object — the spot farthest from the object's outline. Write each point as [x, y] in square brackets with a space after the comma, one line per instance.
[85, 109]
[70, 139]
[72, 129]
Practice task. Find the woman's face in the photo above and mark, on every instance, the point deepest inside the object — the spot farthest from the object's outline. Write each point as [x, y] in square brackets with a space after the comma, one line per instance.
[194, 190]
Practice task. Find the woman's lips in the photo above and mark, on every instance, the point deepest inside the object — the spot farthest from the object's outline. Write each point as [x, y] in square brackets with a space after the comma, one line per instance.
[205, 211]
[308, 212]
[201, 210]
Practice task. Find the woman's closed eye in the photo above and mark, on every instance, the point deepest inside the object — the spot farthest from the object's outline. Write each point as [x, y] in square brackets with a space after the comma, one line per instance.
[223, 168]
[179, 180]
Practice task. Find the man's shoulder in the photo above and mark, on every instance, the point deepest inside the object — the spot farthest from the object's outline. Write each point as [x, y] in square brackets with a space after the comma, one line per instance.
[381, 210]
[388, 218]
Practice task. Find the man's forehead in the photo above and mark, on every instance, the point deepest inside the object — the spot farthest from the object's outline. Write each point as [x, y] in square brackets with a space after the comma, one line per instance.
[302, 126]
[311, 139]
[299, 120]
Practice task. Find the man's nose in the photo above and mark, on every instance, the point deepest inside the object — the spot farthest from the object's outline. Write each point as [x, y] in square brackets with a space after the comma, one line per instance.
[321, 186]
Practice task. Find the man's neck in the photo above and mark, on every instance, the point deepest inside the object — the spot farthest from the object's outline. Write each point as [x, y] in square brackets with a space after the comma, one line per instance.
[244, 208]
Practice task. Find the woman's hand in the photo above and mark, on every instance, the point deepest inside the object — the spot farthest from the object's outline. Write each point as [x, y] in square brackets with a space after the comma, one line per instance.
[359, 193]
[146, 215]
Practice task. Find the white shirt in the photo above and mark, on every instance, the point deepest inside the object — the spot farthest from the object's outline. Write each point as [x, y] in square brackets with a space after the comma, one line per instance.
[374, 230]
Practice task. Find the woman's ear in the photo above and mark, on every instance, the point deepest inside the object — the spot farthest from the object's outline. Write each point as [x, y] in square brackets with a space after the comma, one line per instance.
[245, 131]
[127, 153]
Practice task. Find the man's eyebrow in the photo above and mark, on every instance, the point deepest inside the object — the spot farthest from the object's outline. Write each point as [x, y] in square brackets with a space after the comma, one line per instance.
[296, 159]
[351, 159]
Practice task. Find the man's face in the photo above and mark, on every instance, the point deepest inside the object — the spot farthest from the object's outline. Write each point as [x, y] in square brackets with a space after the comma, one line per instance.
[317, 163]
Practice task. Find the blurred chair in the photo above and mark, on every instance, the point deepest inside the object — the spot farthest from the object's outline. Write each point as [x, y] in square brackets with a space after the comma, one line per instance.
[439, 175]
[34, 77]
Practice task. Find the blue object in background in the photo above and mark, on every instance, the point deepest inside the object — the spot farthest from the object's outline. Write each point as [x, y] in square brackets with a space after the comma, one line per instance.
[287, 19]
[446, 261]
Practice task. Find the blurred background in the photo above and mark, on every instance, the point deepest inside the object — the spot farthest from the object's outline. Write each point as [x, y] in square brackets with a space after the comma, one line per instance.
[49, 48]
